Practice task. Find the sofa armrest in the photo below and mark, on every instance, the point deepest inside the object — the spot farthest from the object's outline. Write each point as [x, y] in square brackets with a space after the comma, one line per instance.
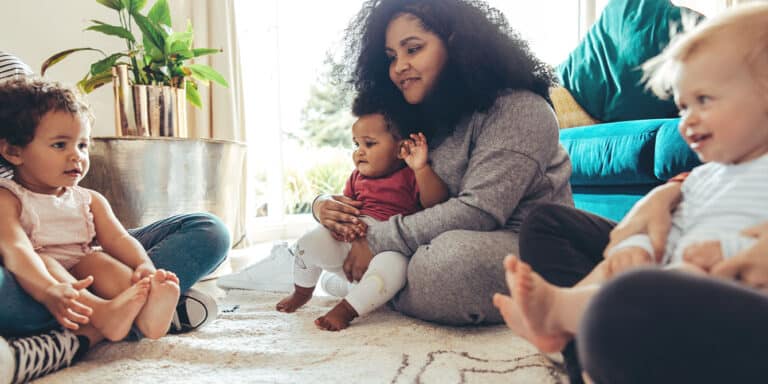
[636, 152]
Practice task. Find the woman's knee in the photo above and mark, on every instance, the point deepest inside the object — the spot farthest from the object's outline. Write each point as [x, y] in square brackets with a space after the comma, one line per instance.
[212, 230]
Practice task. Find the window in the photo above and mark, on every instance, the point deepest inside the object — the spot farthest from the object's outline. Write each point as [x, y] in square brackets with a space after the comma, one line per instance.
[297, 130]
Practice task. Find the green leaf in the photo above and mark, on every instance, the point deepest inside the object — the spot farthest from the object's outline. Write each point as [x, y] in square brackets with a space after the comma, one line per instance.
[178, 42]
[105, 64]
[114, 4]
[154, 40]
[57, 57]
[205, 73]
[136, 5]
[197, 52]
[160, 13]
[113, 30]
[192, 95]
[89, 84]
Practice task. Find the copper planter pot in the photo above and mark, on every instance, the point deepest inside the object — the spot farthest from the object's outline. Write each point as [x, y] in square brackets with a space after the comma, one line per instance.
[148, 110]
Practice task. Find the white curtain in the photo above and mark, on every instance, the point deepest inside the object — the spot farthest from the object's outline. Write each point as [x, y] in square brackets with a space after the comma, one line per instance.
[221, 117]
[214, 24]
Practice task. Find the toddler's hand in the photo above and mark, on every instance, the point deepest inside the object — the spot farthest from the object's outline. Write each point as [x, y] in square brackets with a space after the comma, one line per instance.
[625, 259]
[415, 151]
[704, 254]
[355, 231]
[62, 301]
[143, 270]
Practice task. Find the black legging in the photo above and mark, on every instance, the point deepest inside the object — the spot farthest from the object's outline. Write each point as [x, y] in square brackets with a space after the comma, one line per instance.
[648, 326]
[563, 245]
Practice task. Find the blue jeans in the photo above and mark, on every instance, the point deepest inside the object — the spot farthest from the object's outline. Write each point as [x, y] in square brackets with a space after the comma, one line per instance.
[191, 246]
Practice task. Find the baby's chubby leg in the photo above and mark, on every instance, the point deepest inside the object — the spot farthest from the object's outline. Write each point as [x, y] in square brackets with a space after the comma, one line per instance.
[113, 315]
[386, 275]
[316, 251]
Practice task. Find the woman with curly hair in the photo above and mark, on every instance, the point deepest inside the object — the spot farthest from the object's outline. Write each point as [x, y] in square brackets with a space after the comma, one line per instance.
[481, 99]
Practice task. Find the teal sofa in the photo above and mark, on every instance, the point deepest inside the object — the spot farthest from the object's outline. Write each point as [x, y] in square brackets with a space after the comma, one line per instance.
[637, 145]
[615, 164]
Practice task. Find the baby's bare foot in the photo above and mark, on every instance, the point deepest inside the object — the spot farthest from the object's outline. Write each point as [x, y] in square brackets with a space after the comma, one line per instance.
[512, 315]
[337, 318]
[535, 298]
[155, 318]
[299, 297]
[114, 318]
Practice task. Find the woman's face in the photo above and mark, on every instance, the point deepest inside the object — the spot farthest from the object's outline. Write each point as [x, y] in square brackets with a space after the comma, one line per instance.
[417, 57]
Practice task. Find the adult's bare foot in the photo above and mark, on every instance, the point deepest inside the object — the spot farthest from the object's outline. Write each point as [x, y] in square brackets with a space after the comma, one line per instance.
[299, 297]
[155, 318]
[114, 318]
[536, 300]
[337, 318]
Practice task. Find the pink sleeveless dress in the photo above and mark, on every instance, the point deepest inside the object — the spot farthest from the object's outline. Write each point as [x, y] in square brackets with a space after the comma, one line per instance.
[60, 227]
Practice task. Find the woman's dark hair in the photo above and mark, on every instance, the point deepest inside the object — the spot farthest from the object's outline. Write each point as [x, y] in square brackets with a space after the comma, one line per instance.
[485, 56]
[24, 102]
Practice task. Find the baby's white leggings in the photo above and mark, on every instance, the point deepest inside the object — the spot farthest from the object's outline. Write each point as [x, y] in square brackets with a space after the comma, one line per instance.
[317, 250]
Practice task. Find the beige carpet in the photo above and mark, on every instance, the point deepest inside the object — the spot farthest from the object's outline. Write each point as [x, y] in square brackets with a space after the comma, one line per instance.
[252, 343]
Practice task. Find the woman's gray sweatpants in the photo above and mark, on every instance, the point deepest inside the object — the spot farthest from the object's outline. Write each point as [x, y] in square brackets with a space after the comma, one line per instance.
[452, 279]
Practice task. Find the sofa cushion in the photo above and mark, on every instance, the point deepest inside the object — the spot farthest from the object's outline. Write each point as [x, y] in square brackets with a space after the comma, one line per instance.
[603, 73]
[569, 112]
[636, 152]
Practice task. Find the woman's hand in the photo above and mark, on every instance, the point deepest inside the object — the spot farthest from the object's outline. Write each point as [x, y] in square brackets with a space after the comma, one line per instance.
[339, 214]
[415, 151]
[651, 215]
[357, 261]
[61, 299]
[751, 265]
[143, 270]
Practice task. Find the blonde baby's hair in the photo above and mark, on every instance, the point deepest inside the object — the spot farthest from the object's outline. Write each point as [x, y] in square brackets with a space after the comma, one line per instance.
[745, 27]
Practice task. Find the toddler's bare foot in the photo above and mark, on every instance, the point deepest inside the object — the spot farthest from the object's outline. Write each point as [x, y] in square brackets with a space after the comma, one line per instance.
[513, 317]
[155, 318]
[299, 297]
[337, 318]
[114, 318]
[536, 300]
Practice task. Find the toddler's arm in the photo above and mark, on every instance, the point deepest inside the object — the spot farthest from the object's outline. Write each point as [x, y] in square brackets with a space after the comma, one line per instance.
[432, 190]
[116, 241]
[641, 241]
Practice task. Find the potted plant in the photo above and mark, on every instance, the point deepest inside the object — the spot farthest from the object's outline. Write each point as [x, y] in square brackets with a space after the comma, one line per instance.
[152, 77]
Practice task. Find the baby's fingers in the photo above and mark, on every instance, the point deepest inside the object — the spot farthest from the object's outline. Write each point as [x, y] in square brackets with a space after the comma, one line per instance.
[80, 308]
[78, 318]
[66, 323]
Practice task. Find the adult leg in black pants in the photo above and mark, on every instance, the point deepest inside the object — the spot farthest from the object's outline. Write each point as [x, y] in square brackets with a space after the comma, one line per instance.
[655, 326]
[563, 245]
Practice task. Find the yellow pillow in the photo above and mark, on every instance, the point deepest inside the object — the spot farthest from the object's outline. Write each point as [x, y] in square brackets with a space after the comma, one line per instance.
[569, 112]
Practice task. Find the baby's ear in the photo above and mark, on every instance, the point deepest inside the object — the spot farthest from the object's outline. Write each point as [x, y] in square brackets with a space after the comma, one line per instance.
[11, 153]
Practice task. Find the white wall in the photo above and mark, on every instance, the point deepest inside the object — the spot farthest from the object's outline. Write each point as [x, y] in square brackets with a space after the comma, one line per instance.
[36, 29]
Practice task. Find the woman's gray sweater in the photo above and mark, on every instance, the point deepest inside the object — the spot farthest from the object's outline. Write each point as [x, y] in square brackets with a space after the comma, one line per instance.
[497, 166]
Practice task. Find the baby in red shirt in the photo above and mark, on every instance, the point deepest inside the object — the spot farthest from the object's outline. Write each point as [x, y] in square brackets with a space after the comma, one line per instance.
[392, 176]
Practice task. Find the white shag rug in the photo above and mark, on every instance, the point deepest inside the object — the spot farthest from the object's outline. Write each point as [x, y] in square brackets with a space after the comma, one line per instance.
[250, 342]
